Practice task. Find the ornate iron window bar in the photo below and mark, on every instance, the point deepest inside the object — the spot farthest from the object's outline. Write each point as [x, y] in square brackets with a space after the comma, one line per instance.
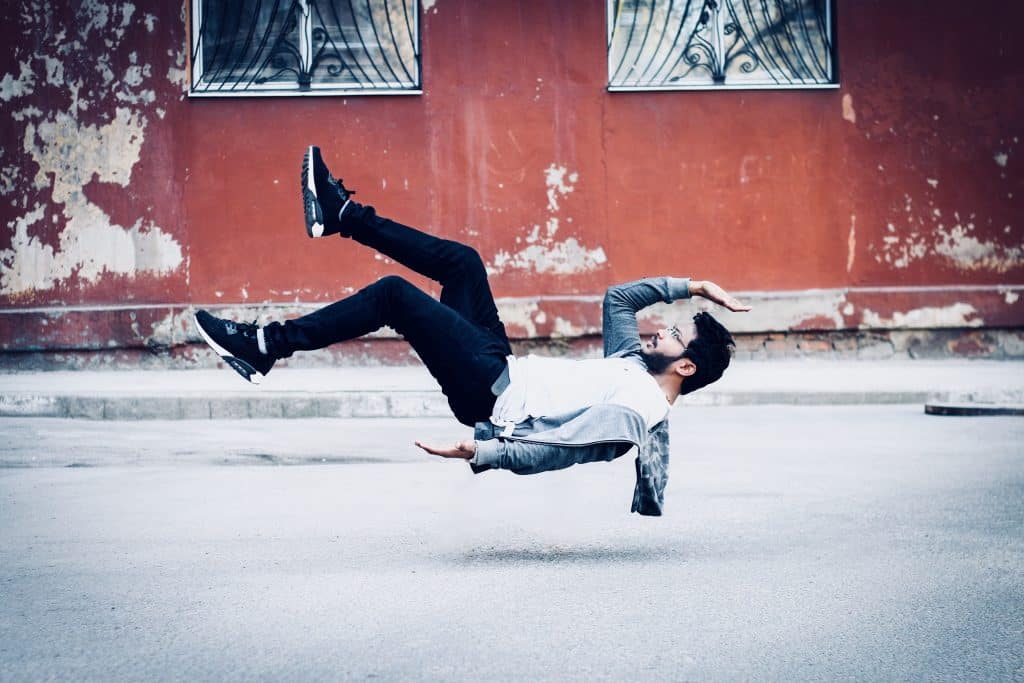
[304, 47]
[721, 44]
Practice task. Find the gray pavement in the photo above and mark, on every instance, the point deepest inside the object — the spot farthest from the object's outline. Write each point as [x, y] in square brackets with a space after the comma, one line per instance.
[799, 543]
[411, 392]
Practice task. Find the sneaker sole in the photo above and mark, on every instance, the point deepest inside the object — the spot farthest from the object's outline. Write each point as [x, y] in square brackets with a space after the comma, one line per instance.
[247, 371]
[310, 204]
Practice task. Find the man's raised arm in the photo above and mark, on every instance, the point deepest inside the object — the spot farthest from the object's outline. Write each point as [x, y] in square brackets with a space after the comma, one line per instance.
[621, 303]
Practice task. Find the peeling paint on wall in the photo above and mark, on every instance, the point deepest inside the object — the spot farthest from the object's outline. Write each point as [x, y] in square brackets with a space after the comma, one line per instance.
[554, 178]
[955, 315]
[824, 309]
[519, 315]
[88, 247]
[922, 233]
[9, 177]
[11, 87]
[958, 244]
[69, 155]
[73, 153]
[178, 74]
[544, 254]
[97, 138]
[851, 243]
[561, 258]
[37, 257]
[967, 251]
[849, 113]
[563, 328]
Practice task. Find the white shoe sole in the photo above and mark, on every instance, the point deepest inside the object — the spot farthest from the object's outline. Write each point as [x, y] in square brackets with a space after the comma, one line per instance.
[316, 229]
[237, 364]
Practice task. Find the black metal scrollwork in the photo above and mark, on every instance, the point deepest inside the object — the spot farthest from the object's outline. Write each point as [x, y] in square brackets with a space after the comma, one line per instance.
[303, 45]
[720, 42]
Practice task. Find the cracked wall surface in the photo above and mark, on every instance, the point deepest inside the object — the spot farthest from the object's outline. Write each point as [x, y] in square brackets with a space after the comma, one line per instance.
[541, 250]
[85, 215]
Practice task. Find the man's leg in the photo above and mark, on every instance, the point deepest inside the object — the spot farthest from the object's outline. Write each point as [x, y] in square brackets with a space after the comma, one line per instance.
[457, 267]
[329, 209]
[460, 339]
[464, 358]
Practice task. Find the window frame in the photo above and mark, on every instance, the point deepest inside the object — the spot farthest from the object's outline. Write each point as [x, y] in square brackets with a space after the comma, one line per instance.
[193, 23]
[830, 8]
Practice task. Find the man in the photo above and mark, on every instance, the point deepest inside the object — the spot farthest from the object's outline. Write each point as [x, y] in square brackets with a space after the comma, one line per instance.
[530, 414]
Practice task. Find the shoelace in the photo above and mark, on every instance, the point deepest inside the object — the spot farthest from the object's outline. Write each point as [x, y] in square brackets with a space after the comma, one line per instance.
[340, 183]
[248, 329]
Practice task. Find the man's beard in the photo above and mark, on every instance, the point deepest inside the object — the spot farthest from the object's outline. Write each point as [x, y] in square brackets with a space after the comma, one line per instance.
[657, 363]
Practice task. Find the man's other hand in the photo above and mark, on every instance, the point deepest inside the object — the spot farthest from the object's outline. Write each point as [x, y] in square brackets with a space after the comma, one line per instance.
[462, 449]
[709, 290]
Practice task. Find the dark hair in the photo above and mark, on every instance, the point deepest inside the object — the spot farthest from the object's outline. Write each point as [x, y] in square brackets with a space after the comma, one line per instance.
[710, 351]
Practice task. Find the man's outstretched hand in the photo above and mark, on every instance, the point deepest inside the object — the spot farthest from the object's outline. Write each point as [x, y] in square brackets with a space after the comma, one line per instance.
[709, 290]
[462, 449]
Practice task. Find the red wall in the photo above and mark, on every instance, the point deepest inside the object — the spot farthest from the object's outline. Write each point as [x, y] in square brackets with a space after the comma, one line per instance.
[906, 176]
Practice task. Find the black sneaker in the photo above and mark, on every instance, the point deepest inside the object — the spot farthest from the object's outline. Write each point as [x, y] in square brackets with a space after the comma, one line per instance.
[323, 196]
[236, 344]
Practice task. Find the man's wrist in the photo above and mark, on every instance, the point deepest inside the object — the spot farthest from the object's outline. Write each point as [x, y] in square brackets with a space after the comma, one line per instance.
[487, 453]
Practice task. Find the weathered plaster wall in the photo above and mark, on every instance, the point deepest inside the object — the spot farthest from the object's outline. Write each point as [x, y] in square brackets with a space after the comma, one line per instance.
[84, 208]
[891, 203]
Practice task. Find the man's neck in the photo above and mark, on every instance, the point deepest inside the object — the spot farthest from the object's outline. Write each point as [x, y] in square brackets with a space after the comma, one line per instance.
[670, 385]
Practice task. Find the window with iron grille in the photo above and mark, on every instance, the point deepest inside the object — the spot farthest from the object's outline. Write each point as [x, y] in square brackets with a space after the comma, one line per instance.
[721, 44]
[304, 47]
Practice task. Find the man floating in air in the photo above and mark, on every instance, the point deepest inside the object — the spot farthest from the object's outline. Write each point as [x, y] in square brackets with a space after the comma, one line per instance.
[530, 414]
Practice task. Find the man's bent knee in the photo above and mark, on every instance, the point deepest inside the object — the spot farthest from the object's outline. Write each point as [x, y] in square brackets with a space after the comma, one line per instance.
[391, 288]
[393, 282]
[467, 258]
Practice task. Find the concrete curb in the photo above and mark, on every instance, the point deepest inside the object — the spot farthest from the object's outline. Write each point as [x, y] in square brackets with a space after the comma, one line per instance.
[290, 405]
[410, 391]
[357, 404]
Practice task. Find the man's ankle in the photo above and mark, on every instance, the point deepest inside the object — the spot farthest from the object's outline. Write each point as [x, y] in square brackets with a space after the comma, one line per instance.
[261, 341]
[353, 218]
[273, 343]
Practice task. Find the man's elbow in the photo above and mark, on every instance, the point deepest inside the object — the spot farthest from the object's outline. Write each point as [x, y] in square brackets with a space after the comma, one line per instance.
[613, 295]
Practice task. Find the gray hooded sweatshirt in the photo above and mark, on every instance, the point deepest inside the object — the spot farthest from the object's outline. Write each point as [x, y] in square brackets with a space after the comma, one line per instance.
[600, 432]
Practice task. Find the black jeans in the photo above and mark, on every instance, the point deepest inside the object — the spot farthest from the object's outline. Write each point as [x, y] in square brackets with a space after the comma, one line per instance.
[460, 338]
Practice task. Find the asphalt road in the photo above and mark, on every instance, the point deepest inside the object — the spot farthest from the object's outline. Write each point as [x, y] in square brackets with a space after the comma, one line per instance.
[867, 543]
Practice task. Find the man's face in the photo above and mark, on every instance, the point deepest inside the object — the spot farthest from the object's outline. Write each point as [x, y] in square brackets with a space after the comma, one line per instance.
[670, 342]
[665, 346]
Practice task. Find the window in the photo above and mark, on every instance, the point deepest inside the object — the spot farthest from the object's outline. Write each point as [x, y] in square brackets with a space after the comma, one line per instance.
[304, 47]
[720, 44]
